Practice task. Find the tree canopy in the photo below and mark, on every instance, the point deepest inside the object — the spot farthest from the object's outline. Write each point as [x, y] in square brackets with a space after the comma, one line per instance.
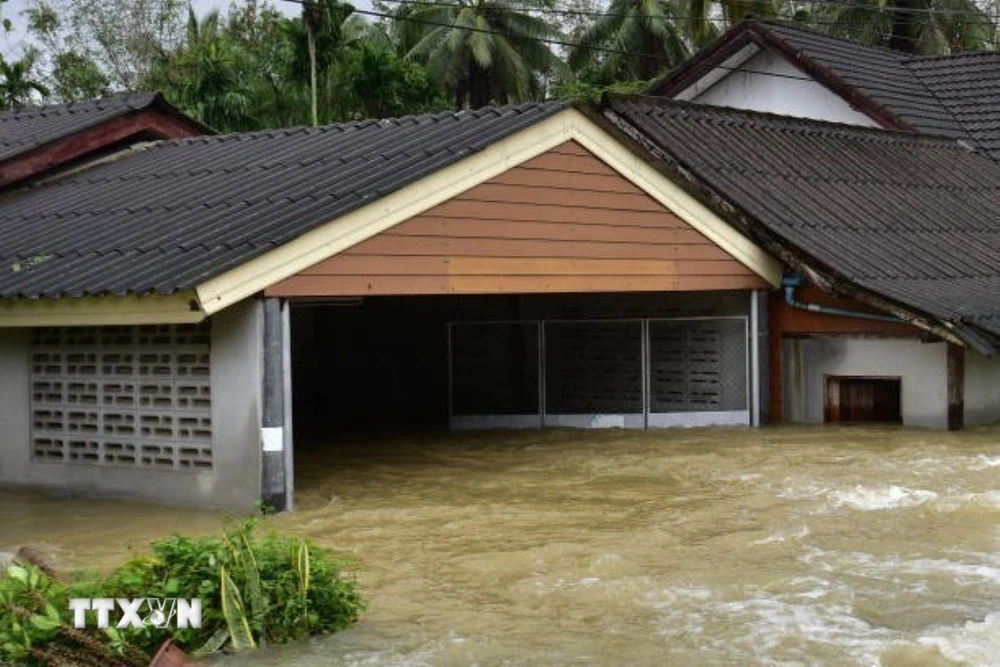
[254, 67]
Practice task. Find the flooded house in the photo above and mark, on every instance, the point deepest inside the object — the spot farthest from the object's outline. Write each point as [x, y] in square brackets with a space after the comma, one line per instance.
[177, 316]
[787, 69]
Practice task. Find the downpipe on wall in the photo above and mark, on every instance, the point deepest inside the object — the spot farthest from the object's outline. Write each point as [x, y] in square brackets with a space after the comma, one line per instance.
[793, 281]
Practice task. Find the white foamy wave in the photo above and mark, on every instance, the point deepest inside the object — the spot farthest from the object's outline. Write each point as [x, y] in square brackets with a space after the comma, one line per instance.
[984, 462]
[778, 628]
[976, 570]
[964, 573]
[986, 499]
[798, 491]
[868, 498]
[972, 644]
[781, 536]
[669, 598]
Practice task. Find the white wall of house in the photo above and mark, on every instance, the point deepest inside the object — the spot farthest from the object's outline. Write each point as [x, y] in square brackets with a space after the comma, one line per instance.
[982, 388]
[771, 84]
[235, 379]
[922, 368]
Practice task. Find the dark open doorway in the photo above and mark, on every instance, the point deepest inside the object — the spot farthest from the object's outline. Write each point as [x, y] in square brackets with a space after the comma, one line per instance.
[863, 399]
[374, 365]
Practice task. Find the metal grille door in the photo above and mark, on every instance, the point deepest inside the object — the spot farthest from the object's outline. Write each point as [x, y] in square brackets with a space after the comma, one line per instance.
[122, 396]
[593, 373]
[495, 374]
[626, 373]
[698, 372]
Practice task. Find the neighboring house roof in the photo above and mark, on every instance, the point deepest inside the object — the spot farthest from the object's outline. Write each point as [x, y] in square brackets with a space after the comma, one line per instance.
[167, 218]
[956, 96]
[36, 139]
[969, 87]
[911, 218]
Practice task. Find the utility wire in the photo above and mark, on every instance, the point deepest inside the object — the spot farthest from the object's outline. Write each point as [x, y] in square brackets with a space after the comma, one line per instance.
[551, 41]
[720, 20]
[838, 3]
[973, 17]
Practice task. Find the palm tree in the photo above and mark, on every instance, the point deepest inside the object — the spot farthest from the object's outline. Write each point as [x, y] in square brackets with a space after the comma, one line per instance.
[211, 78]
[17, 87]
[641, 39]
[705, 19]
[927, 27]
[312, 19]
[322, 30]
[484, 50]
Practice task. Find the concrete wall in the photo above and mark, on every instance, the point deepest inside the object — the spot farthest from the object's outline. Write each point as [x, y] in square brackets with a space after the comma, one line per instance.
[780, 88]
[234, 480]
[922, 367]
[982, 389]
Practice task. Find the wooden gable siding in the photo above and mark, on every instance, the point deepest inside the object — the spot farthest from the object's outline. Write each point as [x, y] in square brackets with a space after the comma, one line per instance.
[137, 126]
[561, 222]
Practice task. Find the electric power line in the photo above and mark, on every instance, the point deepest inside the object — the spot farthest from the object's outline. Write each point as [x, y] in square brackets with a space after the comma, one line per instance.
[838, 3]
[720, 20]
[544, 40]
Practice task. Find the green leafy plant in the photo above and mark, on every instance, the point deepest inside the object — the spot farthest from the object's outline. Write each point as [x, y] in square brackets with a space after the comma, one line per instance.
[35, 630]
[255, 590]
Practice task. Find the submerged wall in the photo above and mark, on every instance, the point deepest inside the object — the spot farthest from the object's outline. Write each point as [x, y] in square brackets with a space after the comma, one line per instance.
[982, 388]
[922, 368]
[232, 482]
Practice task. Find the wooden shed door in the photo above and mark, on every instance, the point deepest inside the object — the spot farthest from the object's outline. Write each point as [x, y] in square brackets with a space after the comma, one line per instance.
[863, 399]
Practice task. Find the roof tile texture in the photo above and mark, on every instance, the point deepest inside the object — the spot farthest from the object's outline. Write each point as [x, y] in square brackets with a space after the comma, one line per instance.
[916, 219]
[27, 129]
[181, 212]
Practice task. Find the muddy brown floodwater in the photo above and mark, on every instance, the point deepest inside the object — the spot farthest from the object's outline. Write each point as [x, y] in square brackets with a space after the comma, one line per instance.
[785, 545]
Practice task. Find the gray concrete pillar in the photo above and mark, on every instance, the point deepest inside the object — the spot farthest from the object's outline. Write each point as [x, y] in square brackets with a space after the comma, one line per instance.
[956, 387]
[759, 358]
[276, 449]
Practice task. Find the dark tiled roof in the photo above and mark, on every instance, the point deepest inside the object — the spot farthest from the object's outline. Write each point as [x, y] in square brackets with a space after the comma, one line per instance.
[914, 219]
[25, 130]
[955, 96]
[879, 73]
[969, 87]
[169, 217]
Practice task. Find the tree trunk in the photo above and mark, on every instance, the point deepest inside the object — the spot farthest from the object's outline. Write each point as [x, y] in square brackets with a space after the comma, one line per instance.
[653, 67]
[479, 86]
[311, 42]
[904, 26]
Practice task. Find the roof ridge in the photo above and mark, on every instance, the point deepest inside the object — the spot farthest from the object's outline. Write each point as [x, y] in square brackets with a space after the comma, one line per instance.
[951, 56]
[795, 25]
[396, 121]
[82, 105]
[934, 96]
[845, 128]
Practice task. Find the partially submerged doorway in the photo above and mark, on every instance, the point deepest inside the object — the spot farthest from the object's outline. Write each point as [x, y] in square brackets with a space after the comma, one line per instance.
[414, 363]
[626, 372]
[860, 399]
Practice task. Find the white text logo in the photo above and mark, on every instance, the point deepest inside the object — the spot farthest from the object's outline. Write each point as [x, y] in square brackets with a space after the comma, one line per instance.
[138, 613]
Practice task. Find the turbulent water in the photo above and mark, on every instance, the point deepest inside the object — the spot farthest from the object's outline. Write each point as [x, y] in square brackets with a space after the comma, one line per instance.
[789, 545]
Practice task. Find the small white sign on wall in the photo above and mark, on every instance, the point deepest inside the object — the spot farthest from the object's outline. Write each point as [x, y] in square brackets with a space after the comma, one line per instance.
[607, 421]
[272, 439]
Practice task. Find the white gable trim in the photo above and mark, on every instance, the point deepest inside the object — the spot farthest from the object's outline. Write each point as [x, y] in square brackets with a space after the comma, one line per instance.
[352, 228]
[719, 72]
[181, 308]
[765, 80]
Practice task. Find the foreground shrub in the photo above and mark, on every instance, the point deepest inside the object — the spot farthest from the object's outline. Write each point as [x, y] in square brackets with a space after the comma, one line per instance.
[253, 590]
